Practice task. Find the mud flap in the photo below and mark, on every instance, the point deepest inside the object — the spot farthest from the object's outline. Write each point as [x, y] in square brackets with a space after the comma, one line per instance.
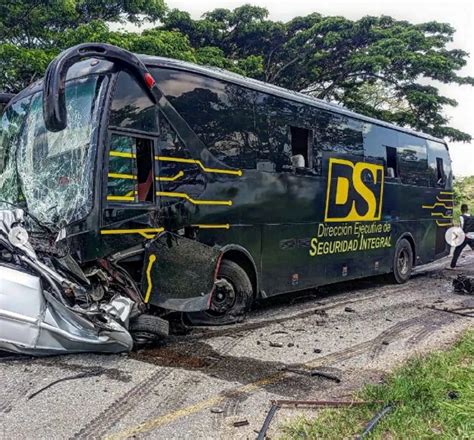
[179, 273]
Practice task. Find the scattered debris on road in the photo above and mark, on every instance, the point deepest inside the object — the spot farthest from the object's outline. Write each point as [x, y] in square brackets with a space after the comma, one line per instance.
[468, 312]
[464, 285]
[276, 344]
[374, 421]
[277, 404]
[93, 373]
[240, 423]
[325, 375]
[349, 309]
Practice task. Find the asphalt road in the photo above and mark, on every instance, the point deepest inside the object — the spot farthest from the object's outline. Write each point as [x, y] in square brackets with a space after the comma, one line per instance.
[198, 385]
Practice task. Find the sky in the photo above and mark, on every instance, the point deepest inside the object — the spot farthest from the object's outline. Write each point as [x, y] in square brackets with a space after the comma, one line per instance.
[458, 13]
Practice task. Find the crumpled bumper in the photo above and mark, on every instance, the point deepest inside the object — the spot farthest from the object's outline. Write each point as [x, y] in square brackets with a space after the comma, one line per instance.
[33, 322]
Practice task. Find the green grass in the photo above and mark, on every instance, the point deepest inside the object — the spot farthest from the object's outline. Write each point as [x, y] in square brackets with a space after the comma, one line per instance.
[424, 410]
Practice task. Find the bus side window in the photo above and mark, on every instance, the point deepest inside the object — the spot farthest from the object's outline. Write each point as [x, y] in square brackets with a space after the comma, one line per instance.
[130, 174]
[301, 140]
[391, 162]
[441, 177]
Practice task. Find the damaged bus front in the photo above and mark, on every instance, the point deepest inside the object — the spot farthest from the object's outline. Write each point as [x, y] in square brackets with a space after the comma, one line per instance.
[79, 269]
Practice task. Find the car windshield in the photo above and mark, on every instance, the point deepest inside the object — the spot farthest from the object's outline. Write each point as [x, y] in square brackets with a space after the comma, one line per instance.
[52, 173]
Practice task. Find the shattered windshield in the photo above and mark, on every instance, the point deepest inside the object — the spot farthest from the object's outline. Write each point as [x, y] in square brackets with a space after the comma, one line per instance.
[52, 172]
[10, 128]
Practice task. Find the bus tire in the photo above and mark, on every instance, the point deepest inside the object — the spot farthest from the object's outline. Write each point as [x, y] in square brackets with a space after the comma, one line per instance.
[148, 329]
[402, 262]
[230, 300]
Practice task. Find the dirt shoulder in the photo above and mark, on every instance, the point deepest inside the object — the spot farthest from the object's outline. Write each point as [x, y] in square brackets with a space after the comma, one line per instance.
[199, 385]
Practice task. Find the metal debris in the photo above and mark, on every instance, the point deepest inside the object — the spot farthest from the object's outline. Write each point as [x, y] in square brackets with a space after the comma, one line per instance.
[240, 423]
[374, 421]
[64, 379]
[464, 285]
[313, 373]
[276, 344]
[277, 404]
[325, 375]
[461, 311]
[349, 310]
[268, 419]
[216, 410]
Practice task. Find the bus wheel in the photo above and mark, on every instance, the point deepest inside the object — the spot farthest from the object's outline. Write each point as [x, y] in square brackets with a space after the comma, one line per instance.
[230, 300]
[402, 262]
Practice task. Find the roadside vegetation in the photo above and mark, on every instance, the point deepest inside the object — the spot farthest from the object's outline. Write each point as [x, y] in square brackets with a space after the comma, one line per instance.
[434, 398]
[463, 193]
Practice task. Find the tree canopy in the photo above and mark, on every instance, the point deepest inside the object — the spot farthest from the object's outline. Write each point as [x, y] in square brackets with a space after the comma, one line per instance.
[378, 66]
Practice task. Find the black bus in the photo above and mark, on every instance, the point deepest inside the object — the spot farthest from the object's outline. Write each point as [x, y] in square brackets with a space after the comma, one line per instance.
[206, 189]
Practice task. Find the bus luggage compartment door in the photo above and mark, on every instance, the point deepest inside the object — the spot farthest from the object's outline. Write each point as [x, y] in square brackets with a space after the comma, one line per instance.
[179, 273]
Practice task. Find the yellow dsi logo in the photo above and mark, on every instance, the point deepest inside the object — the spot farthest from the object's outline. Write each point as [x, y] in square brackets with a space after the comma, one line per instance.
[354, 191]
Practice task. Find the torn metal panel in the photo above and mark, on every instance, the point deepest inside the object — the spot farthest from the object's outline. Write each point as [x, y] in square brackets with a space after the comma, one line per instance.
[36, 312]
[179, 273]
[33, 322]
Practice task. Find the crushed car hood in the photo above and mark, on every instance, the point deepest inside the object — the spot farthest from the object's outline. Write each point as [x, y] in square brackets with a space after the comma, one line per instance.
[36, 314]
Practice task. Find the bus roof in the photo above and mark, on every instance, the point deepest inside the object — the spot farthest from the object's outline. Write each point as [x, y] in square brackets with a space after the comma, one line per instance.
[222, 74]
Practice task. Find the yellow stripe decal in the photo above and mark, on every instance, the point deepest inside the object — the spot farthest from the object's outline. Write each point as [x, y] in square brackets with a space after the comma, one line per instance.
[193, 201]
[439, 199]
[122, 154]
[440, 214]
[447, 192]
[151, 261]
[439, 223]
[170, 179]
[121, 176]
[200, 164]
[437, 204]
[147, 232]
[224, 226]
[120, 198]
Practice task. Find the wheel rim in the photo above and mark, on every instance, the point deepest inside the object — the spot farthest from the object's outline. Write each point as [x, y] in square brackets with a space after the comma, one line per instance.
[403, 262]
[144, 338]
[223, 298]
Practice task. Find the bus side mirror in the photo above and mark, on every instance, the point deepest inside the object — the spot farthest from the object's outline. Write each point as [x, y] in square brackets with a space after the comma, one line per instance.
[390, 172]
[54, 98]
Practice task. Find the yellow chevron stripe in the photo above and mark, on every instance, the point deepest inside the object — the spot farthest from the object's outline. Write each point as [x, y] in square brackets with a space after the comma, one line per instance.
[440, 214]
[439, 223]
[170, 179]
[439, 199]
[121, 176]
[125, 198]
[147, 232]
[200, 164]
[122, 154]
[435, 205]
[224, 226]
[194, 201]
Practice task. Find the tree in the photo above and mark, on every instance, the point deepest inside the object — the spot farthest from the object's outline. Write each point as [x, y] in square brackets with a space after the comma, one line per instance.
[33, 32]
[377, 66]
[343, 61]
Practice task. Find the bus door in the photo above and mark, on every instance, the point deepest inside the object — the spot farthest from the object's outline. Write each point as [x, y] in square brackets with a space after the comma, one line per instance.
[130, 211]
